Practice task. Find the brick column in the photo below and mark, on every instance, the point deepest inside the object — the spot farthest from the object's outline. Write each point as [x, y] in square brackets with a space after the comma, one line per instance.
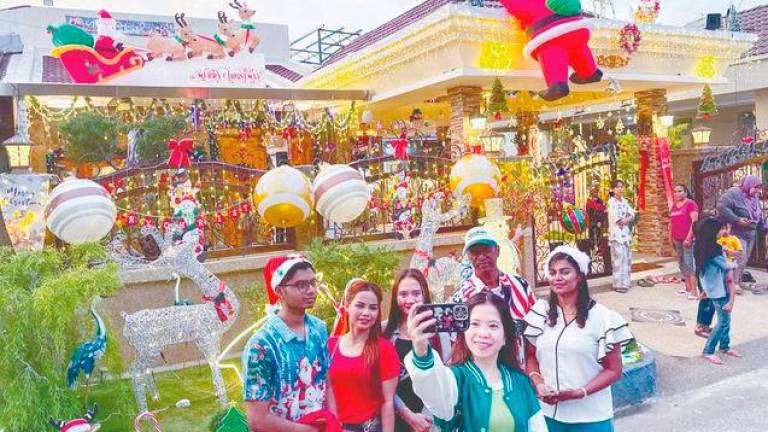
[653, 229]
[464, 101]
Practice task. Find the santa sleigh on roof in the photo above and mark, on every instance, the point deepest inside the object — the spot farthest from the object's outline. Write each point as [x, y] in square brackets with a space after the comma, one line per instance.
[90, 61]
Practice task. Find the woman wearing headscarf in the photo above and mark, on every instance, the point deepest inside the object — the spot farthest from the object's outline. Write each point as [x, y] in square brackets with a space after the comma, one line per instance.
[740, 206]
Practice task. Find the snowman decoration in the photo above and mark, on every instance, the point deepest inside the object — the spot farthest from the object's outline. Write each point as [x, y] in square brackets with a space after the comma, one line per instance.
[108, 40]
[187, 213]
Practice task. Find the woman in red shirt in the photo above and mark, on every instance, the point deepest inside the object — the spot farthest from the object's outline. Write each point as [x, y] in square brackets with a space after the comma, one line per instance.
[364, 366]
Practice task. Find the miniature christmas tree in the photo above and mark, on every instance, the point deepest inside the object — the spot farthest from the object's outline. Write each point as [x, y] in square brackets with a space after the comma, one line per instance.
[498, 100]
[707, 105]
[233, 420]
[734, 22]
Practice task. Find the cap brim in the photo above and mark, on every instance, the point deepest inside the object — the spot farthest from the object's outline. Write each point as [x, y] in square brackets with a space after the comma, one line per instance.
[485, 242]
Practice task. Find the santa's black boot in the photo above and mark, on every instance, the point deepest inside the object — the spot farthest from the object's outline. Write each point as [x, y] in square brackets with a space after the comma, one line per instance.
[555, 91]
[595, 77]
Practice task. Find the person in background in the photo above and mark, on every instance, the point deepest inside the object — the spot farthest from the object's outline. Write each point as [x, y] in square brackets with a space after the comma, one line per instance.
[410, 288]
[364, 366]
[285, 362]
[716, 278]
[682, 217]
[574, 348]
[740, 207]
[482, 390]
[620, 218]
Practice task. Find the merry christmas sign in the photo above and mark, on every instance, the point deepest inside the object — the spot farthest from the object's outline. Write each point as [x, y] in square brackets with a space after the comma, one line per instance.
[23, 198]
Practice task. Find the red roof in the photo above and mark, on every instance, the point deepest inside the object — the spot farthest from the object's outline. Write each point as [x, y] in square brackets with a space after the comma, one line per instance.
[755, 20]
[54, 72]
[284, 72]
[411, 16]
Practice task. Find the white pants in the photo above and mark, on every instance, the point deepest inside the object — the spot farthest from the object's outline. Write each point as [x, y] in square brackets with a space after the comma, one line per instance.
[621, 261]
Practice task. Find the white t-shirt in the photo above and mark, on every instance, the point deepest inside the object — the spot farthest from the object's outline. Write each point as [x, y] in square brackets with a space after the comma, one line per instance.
[569, 358]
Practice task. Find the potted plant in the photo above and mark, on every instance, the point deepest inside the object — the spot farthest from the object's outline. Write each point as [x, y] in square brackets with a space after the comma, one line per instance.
[154, 133]
[91, 138]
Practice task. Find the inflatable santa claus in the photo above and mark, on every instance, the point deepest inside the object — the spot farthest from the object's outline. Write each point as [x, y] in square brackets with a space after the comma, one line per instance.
[558, 39]
[106, 28]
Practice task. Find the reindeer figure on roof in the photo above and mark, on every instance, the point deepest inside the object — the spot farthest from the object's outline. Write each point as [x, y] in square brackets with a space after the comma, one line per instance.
[247, 36]
[199, 44]
[149, 331]
[441, 271]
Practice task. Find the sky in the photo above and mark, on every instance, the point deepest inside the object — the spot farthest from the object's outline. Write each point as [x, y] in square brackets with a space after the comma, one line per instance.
[303, 16]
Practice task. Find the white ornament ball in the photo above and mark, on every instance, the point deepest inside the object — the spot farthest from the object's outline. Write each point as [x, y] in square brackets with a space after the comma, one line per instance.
[80, 211]
[283, 197]
[341, 193]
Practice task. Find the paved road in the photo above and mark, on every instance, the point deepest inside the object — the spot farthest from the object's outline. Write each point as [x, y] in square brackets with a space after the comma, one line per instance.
[695, 396]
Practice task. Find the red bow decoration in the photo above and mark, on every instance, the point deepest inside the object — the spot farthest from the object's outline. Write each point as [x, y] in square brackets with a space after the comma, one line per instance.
[179, 157]
[224, 308]
[747, 140]
[400, 147]
[132, 219]
[200, 222]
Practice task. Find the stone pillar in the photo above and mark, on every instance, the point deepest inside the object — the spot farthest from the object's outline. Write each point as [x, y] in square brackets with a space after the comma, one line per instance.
[761, 109]
[653, 229]
[465, 101]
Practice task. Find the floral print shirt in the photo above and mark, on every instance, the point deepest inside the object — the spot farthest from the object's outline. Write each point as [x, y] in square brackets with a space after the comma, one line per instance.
[289, 372]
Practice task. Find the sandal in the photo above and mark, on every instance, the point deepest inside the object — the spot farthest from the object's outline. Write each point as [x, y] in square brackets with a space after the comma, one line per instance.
[733, 353]
[692, 297]
[621, 290]
[702, 332]
[714, 359]
[646, 283]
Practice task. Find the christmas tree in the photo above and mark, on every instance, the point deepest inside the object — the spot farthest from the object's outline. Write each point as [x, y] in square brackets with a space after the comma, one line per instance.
[233, 420]
[734, 22]
[707, 104]
[498, 100]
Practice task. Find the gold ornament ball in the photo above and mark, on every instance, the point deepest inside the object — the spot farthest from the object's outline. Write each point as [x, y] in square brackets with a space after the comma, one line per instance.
[477, 176]
[283, 197]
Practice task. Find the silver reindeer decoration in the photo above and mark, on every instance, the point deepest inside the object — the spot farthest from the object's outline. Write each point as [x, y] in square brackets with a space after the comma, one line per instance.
[443, 271]
[149, 331]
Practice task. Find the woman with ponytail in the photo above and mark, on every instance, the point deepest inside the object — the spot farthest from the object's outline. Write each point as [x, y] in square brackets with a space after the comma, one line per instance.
[364, 366]
[573, 349]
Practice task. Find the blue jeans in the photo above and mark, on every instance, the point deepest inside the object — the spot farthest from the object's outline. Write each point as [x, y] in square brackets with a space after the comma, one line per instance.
[558, 426]
[706, 312]
[721, 334]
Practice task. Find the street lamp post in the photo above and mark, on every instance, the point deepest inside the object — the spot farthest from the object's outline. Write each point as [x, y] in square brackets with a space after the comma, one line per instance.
[17, 147]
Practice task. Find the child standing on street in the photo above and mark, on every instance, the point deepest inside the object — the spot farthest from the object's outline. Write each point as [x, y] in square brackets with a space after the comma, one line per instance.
[716, 280]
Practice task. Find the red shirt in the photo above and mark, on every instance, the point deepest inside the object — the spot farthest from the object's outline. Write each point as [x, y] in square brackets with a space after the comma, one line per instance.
[680, 219]
[358, 398]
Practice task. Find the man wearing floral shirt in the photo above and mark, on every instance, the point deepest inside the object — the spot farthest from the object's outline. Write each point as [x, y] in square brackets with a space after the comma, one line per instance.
[286, 361]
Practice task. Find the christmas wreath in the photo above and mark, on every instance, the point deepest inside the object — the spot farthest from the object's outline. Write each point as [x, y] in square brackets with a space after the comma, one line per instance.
[629, 38]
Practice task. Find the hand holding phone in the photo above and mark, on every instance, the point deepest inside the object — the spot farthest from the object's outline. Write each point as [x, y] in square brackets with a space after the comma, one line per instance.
[449, 317]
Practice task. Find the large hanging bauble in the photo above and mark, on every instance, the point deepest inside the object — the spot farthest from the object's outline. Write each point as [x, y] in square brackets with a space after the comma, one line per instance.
[80, 211]
[574, 220]
[341, 193]
[477, 176]
[283, 197]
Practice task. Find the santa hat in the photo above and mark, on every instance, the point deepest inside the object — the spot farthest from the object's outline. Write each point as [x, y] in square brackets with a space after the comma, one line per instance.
[105, 17]
[582, 259]
[276, 270]
[79, 425]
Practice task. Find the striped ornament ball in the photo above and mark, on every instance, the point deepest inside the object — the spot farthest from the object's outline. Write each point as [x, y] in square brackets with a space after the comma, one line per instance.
[80, 211]
[341, 193]
[574, 220]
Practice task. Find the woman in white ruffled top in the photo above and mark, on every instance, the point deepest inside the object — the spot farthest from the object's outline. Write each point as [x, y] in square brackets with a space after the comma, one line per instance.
[573, 348]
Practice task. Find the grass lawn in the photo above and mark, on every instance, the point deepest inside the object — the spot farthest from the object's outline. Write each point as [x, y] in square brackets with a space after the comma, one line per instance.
[193, 383]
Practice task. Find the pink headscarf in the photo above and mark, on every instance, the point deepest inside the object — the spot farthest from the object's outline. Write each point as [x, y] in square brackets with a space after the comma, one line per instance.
[753, 202]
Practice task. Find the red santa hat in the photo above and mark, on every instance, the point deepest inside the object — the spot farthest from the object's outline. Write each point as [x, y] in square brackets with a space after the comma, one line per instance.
[275, 271]
[105, 16]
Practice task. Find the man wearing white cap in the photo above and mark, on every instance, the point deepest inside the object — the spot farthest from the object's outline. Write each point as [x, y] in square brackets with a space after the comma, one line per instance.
[483, 252]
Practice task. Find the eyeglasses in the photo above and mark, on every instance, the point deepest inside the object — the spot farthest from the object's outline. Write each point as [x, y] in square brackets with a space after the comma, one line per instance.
[304, 285]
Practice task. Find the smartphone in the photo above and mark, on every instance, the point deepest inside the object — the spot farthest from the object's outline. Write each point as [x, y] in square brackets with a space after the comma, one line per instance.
[449, 317]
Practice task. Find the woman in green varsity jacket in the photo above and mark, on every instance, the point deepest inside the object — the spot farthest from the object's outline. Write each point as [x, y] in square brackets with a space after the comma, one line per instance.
[482, 390]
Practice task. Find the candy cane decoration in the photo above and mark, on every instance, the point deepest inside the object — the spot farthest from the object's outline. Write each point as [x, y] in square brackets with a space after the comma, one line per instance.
[148, 416]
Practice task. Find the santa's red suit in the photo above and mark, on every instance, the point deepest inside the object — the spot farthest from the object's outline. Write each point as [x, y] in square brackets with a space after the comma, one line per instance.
[556, 42]
[105, 43]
